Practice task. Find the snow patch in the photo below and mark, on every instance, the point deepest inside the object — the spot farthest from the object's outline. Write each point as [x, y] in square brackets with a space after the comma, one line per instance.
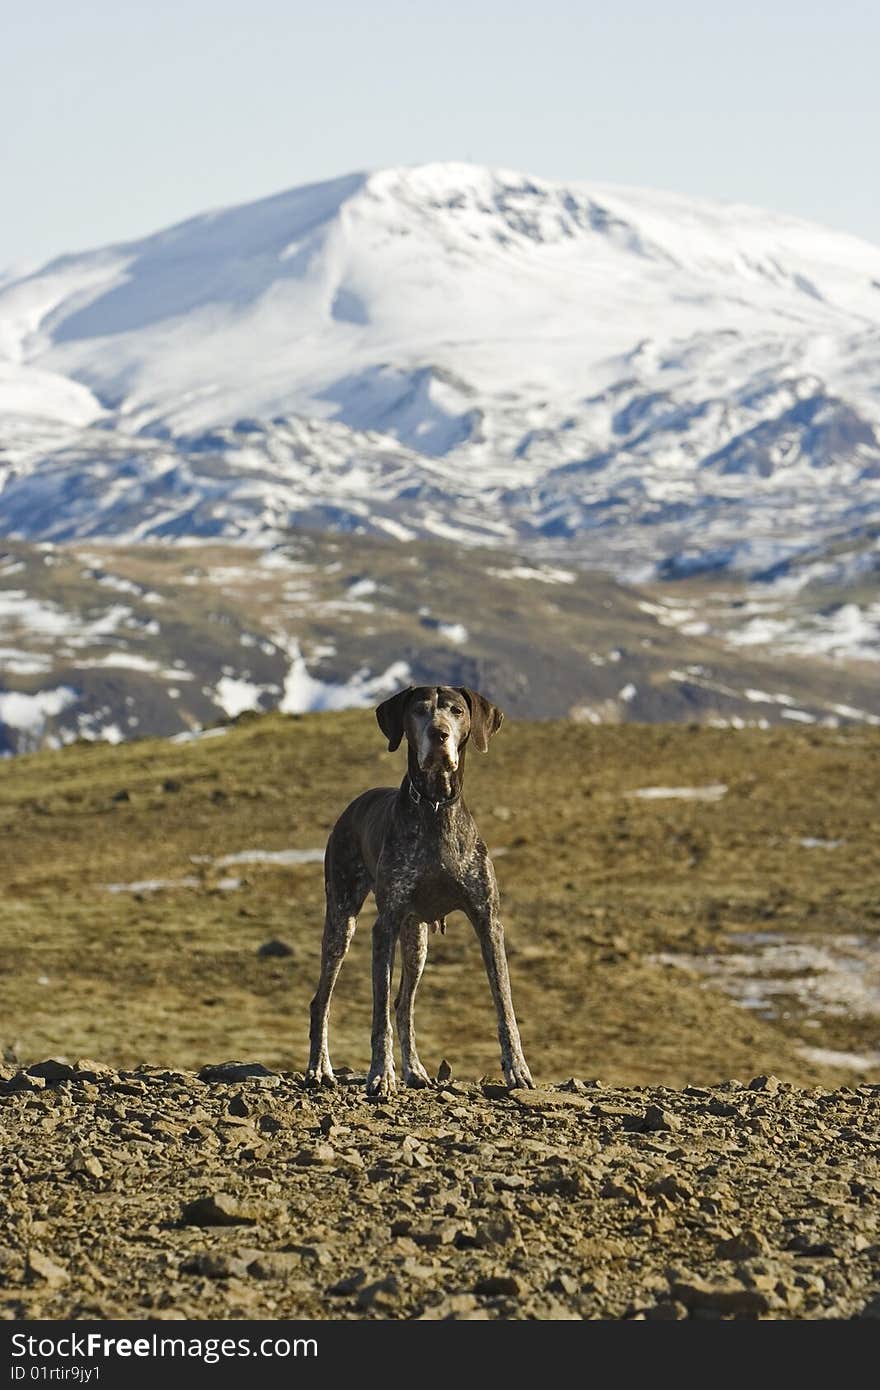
[21, 663]
[830, 1057]
[30, 713]
[193, 735]
[153, 885]
[271, 856]
[305, 693]
[361, 588]
[838, 976]
[129, 660]
[714, 791]
[234, 696]
[544, 575]
[763, 698]
[849, 632]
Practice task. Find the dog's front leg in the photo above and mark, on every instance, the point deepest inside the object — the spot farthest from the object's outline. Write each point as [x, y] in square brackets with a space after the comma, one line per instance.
[381, 1081]
[490, 934]
[413, 954]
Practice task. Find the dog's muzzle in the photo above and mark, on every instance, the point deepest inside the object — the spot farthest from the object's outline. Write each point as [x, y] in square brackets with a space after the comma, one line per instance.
[438, 751]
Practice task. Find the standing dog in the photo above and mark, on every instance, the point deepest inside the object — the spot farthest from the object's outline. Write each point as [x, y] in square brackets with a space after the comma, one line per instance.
[417, 848]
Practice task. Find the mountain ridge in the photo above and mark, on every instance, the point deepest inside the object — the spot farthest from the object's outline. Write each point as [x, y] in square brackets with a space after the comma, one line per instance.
[591, 365]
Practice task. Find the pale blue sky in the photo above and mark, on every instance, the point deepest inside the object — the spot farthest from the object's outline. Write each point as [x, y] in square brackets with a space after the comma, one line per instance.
[121, 117]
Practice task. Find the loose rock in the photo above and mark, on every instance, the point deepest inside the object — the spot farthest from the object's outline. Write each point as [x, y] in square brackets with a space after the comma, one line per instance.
[274, 948]
[497, 1284]
[719, 1294]
[220, 1209]
[236, 1071]
[742, 1246]
[41, 1269]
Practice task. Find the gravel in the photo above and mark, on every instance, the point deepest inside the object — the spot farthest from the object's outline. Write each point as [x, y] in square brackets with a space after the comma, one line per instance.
[236, 1193]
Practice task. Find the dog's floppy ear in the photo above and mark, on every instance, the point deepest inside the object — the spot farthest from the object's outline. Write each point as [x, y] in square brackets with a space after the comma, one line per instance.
[486, 720]
[390, 717]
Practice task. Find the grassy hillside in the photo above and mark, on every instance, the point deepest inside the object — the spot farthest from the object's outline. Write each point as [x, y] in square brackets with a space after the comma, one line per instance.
[595, 884]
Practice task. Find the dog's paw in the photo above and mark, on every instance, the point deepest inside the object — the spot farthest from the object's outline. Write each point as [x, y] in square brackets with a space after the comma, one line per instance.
[320, 1076]
[518, 1076]
[381, 1082]
[416, 1077]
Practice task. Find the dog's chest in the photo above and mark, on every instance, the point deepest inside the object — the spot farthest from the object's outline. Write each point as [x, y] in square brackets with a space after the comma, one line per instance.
[435, 893]
[425, 879]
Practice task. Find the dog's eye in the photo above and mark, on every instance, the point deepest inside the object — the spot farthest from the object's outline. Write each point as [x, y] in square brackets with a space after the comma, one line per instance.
[456, 709]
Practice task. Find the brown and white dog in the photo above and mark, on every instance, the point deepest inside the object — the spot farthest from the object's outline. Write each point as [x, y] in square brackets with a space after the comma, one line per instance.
[417, 848]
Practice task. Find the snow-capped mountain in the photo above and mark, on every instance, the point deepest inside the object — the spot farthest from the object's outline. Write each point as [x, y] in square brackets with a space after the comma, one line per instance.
[652, 381]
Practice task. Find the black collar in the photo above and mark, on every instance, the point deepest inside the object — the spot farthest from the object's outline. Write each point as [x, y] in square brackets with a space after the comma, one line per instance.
[418, 797]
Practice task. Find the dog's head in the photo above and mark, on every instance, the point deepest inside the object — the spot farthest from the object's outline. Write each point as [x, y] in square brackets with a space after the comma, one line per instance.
[437, 721]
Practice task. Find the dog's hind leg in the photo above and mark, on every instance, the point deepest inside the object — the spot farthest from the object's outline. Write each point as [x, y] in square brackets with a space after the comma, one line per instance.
[490, 935]
[340, 922]
[413, 952]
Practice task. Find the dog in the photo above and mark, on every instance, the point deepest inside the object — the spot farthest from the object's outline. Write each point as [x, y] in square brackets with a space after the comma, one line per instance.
[416, 846]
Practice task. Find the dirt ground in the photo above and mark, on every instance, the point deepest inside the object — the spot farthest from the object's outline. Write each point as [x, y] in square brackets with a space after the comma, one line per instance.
[155, 1194]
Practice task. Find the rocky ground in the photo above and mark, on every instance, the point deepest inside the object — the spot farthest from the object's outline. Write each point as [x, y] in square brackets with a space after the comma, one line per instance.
[235, 1193]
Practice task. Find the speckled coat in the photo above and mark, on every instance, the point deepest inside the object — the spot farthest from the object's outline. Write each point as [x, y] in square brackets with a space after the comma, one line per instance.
[417, 848]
